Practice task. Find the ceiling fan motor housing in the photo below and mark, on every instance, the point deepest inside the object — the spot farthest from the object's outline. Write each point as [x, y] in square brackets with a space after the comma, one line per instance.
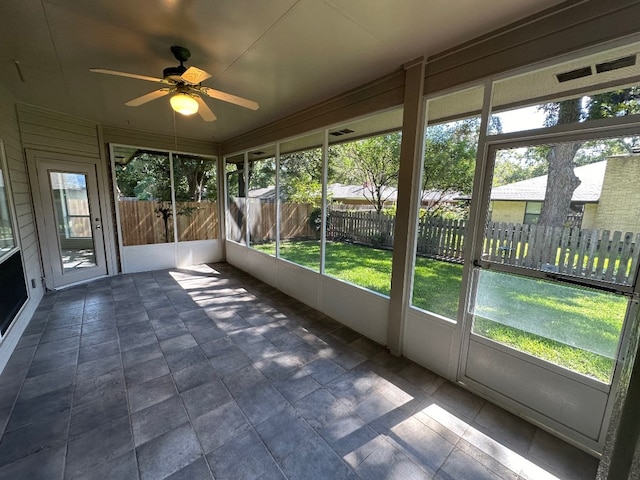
[174, 73]
[182, 55]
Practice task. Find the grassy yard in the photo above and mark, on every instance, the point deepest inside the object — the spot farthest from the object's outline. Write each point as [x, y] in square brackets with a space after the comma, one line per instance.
[568, 326]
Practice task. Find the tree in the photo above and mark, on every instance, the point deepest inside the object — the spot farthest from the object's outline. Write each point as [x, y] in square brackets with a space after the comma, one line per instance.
[449, 162]
[375, 162]
[301, 177]
[194, 178]
[561, 180]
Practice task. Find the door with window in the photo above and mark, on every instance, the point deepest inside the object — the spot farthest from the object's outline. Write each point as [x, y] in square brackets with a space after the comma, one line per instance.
[551, 296]
[70, 223]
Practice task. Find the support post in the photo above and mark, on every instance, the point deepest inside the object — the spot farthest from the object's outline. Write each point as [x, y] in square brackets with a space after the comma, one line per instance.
[411, 153]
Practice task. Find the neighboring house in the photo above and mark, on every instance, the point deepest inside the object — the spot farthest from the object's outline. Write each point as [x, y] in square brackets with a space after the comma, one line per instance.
[265, 194]
[604, 187]
[359, 197]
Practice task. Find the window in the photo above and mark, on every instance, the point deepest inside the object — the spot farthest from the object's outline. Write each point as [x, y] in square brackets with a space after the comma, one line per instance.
[7, 237]
[262, 200]
[523, 102]
[532, 212]
[447, 179]
[12, 282]
[146, 193]
[236, 198]
[300, 200]
[362, 195]
[577, 324]
[196, 193]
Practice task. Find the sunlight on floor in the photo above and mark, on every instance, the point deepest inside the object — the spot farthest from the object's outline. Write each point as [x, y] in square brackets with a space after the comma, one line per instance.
[507, 457]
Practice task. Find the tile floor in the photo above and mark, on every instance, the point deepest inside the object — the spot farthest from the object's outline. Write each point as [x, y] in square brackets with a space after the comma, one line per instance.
[208, 373]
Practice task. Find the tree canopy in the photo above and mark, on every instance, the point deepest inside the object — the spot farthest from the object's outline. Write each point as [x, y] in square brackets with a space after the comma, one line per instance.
[147, 177]
[449, 162]
[558, 160]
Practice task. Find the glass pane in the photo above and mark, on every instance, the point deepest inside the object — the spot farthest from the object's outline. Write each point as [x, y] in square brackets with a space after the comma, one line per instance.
[236, 197]
[7, 241]
[588, 226]
[574, 327]
[568, 93]
[447, 181]
[262, 200]
[144, 196]
[362, 195]
[73, 218]
[300, 200]
[196, 191]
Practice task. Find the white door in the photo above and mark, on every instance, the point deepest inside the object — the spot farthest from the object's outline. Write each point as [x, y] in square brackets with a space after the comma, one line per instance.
[550, 300]
[70, 229]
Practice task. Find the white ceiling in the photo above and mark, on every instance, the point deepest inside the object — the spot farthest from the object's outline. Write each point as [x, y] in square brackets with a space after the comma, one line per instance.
[284, 54]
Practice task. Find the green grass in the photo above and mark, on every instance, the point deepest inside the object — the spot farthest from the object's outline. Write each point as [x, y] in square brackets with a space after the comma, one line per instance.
[564, 316]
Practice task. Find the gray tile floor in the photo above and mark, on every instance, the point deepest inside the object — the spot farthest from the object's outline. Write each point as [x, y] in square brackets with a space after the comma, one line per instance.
[208, 373]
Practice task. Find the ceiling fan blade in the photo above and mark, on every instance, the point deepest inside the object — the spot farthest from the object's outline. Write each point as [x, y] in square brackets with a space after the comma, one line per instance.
[194, 76]
[124, 74]
[148, 97]
[204, 110]
[227, 97]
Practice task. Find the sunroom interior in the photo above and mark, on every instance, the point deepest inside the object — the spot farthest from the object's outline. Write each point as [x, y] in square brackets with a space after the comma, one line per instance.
[537, 318]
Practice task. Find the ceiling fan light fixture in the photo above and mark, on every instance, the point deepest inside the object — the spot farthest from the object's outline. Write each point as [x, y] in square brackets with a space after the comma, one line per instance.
[184, 104]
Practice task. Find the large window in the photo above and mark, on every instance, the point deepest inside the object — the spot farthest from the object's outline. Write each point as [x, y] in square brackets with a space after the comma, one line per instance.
[362, 194]
[300, 200]
[148, 213]
[262, 199]
[447, 179]
[236, 198]
[7, 238]
[196, 193]
[12, 282]
[591, 88]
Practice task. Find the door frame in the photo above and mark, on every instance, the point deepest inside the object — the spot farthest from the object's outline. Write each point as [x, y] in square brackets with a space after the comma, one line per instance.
[482, 192]
[104, 208]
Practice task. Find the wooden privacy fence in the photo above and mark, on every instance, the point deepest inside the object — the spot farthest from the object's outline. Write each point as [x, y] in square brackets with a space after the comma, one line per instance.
[294, 221]
[141, 225]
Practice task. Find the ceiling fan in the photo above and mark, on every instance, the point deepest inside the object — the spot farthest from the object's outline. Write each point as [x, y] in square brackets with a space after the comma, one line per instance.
[186, 86]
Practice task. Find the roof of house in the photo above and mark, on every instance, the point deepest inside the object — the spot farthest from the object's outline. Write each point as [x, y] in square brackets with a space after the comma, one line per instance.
[340, 192]
[591, 177]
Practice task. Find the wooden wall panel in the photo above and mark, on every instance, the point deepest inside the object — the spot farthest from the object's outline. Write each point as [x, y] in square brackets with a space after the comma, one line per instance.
[55, 132]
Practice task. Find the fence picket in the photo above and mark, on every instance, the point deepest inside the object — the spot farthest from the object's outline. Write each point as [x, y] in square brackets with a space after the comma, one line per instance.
[621, 275]
[634, 261]
[553, 254]
[603, 247]
[615, 245]
[593, 243]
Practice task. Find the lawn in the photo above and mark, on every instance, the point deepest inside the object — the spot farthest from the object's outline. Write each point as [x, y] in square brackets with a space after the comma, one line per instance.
[569, 326]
